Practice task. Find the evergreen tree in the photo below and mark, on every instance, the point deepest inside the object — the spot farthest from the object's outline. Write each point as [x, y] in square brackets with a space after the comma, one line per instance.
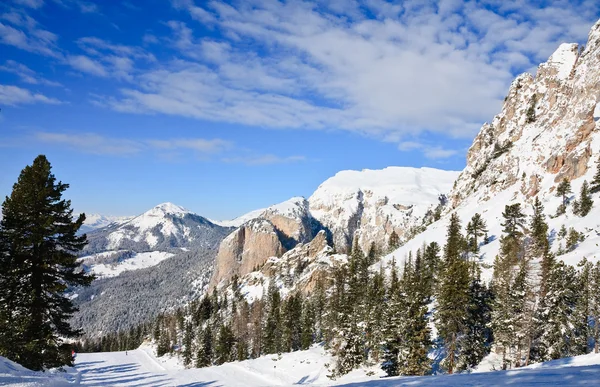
[187, 345]
[583, 206]
[595, 305]
[375, 315]
[272, 342]
[584, 296]
[225, 344]
[39, 262]
[453, 293]
[563, 190]
[416, 341]
[595, 185]
[205, 349]
[540, 247]
[394, 241]
[308, 325]
[478, 336]
[555, 316]
[476, 228]
[292, 323]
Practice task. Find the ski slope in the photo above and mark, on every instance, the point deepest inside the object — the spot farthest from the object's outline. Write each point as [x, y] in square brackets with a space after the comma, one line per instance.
[141, 368]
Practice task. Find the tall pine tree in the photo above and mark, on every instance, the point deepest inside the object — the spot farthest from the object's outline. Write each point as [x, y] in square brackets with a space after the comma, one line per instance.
[39, 263]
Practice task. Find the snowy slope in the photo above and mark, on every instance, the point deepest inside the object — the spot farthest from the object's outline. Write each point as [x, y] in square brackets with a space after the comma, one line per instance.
[515, 158]
[237, 222]
[141, 368]
[96, 221]
[103, 266]
[373, 203]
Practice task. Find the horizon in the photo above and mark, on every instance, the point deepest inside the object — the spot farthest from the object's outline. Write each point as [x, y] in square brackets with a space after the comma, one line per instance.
[227, 108]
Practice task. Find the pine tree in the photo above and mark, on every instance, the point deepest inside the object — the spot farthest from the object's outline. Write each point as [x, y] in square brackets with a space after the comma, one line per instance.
[225, 344]
[187, 345]
[540, 246]
[272, 342]
[307, 337]
[393, 328]
[205, 349]
[563, 190]
[595, 305]
[585, 202]
[39, 263]
[375, 315]
[478, 336]
[394, 241]
[555, 316]
[476, 229]
[416, 341]
[595, 185]
[584, 296]
[453, 293]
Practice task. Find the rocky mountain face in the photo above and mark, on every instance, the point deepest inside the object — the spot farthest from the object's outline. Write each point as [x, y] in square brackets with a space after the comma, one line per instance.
[545, 131]
[548, 130]
[276, 230]
[368, 205]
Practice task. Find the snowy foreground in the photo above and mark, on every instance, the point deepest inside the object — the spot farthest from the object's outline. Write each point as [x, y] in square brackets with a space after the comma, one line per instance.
[142, 368]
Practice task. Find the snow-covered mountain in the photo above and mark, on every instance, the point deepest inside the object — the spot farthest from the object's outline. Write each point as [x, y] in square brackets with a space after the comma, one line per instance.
[96, 221]
[548, 130]
[370, 204]
[237, 222]
[144, 265]
[161, 228]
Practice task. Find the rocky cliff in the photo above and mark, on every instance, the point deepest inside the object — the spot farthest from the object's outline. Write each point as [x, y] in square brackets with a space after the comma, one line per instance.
[544, 133]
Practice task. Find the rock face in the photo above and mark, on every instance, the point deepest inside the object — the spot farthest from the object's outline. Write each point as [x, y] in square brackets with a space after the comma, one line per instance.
[370, 204]
[276, 230]
[544, 133]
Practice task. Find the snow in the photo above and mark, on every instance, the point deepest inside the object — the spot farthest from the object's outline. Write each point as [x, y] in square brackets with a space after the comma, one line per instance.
[597, 112]
[237, 222]
[138, 261]
[141, 367]
[564, 59]
[291, 208]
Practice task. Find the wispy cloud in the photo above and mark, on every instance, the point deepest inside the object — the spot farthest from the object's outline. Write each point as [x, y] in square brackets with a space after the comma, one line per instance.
[93, 143]
[415, 67]
[433, 152]
[267, 159]
[13, 95]
[22, 31]
[87, 65]
[26, 74]
[30, 3]
[196, 144]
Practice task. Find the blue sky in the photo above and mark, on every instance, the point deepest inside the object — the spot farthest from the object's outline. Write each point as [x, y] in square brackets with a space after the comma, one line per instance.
[225, 107]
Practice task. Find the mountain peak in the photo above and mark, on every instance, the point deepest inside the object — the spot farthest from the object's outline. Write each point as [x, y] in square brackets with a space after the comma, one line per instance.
[168, 208]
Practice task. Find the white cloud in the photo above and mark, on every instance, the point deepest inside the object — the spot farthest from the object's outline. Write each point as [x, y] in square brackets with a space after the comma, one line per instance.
[196, 144]
[87, 65]
[26, 74]
[433, 152]
[13, 95]
[26, 34]
[268, 159]
[30, 3]
[413, 68]
[93, 143]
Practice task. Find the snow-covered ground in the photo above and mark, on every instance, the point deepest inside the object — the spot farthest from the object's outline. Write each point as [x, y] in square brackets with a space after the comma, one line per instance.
[141, 368]
[135, 262]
